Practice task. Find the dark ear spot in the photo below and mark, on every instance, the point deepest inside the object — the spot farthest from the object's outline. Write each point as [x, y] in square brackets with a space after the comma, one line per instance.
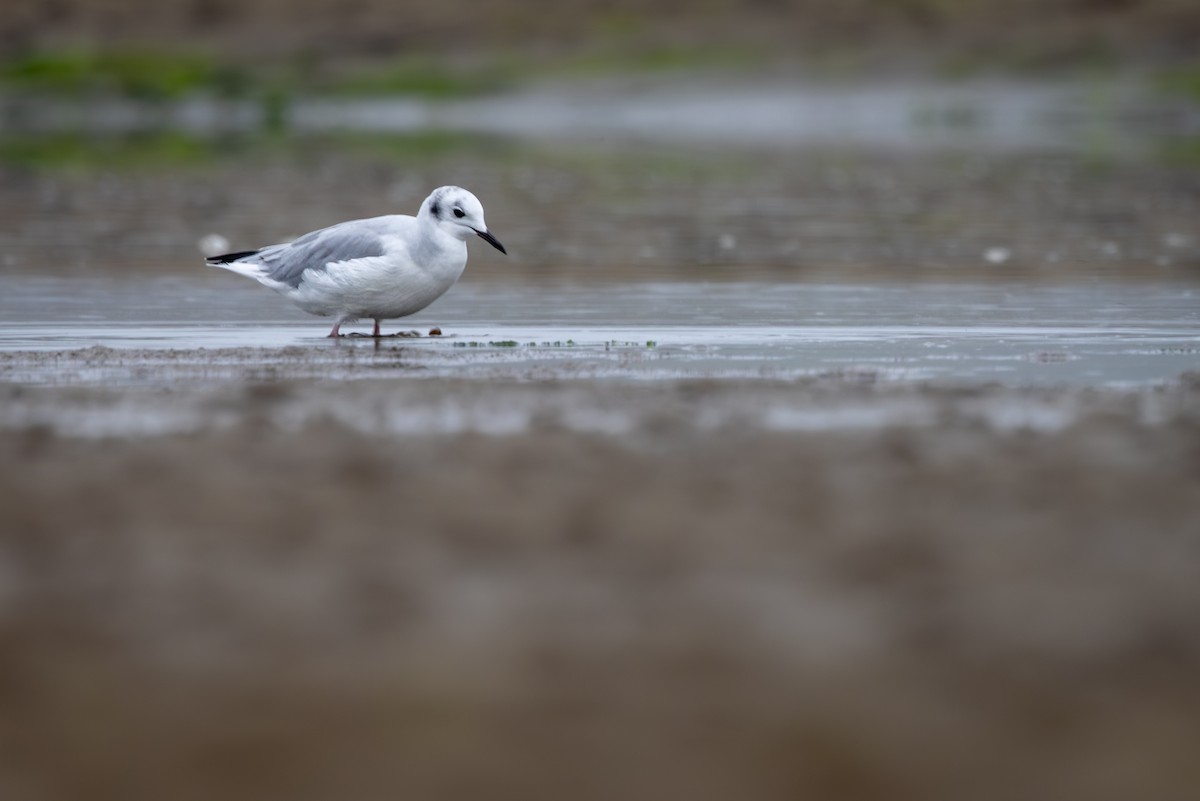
[435, 209]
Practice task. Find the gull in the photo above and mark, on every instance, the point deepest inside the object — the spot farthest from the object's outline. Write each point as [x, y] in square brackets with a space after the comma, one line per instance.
[379, 268]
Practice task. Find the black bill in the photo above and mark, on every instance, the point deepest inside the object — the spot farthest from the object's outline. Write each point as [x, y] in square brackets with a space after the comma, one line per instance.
[486, 236]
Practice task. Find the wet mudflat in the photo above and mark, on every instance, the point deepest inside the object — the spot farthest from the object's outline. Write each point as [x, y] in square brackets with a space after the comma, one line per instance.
[766, 471]
[269, 601]
[768, 558]
[131, 331]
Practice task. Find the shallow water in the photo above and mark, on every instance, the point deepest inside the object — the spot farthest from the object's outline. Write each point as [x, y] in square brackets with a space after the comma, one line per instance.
[1100, 334]
[1126, 117]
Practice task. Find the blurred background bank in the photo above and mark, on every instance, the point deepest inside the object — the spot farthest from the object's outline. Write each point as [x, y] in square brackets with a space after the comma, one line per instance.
[845, 141]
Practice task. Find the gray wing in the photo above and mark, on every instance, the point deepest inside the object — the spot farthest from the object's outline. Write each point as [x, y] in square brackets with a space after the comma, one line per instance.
[358, 239]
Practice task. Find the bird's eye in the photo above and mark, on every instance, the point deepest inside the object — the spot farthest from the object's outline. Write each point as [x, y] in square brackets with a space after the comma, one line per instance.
[459, 213]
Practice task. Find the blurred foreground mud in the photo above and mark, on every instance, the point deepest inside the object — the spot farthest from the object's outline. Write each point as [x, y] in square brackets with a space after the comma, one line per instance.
[250, 611]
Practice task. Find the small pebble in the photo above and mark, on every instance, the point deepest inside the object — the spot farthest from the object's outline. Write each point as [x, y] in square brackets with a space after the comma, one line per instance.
[997, 255]
[213, 245]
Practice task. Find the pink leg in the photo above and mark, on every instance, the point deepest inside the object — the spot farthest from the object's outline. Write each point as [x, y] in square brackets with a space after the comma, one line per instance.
[334, 334]
[376, 333]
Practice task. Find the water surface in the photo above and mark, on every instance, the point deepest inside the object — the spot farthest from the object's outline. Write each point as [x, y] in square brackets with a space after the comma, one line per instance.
[1016, 334]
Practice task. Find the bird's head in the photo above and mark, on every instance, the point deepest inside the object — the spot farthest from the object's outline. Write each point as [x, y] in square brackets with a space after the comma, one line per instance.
[460, 214]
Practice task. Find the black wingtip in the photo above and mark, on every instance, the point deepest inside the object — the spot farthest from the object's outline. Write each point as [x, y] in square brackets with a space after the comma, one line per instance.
[230, 258]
